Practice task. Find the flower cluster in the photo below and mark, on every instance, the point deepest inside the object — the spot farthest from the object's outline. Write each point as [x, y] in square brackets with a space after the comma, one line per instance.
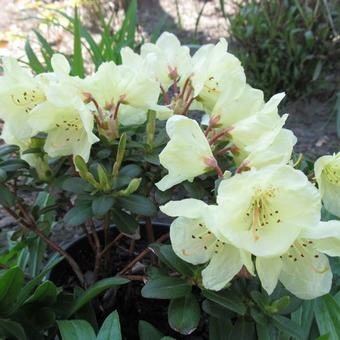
[266, 217]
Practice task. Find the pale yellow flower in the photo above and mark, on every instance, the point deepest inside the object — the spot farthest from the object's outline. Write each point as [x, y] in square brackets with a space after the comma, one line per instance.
[263, 211]
[304, 269]
[327, 173]
[193, 240]
[187, 154]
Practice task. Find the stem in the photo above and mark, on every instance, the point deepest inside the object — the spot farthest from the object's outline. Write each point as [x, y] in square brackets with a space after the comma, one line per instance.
[165, 96]
[50, 243]
[175, 86]
[232, 149]
[111, 244]
[188, 94]
[149, 230]
[184, 88]
[62, 252]
[115, 114]
[97, 250]
[100, 112]
[219, 135]
[142, 254]
[135, 277]
[89, 236]
[187, 106]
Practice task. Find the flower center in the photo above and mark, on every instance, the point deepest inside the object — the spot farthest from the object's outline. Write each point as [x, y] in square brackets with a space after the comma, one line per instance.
[212, 85]
[261, 212]
[206, 240]
[332, 172]
[303, 250]
[28, 99]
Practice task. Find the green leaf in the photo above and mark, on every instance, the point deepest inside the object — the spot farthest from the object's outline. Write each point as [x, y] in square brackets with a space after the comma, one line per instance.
[76, 185]
[77, 215]
[78, 62]
[95, 290]
[27, 290]
[8, 149]
[304, 316]
[327, 313]
[215, 310]
[166, 288]
[34, 62]
[76, 330]
[184, 314]
[287, 326]
[103, 177]
[46, 49]
[265, 332]
[148, 332]
[219, 328]
[102, 204]
[3, 176]
[7, 199]
[130, 170]
[45, 294]
[110, 328]
[243, 330]
[10, 284]
[125, 222]
[120, 155]
[168, 257]
[13, 165]
[138, 204]
[11, 330]
[226, 299]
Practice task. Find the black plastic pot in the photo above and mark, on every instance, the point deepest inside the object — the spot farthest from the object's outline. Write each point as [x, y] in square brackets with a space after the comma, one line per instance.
[78, 247]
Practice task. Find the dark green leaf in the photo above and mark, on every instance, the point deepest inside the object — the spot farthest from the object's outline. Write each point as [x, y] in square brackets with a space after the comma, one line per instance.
[219, 328]
[184, 314]
[11, 330]
[243, 330]
[287, 326]
[34, 62]
[125, 222]
[3, 176]
[13, 165]
[45, 294]
[95, 290]
[110, 328]
[10, 284]
[76, 330]
[7, 199]
[78, 62]
[215, 310]
[148, 332]
[327, 313]
[265, 331]
[102, 204]
[76, 185]
[77, 215]
[138, 204]
[226, 299]
[166, 288]
[304, 317]
[8, 149]
[168, 257]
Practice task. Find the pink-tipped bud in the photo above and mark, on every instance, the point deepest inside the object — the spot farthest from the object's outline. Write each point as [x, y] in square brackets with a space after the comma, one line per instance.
[173, 74]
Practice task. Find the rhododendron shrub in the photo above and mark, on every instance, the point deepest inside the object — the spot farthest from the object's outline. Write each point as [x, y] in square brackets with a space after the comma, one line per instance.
[248, 227]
